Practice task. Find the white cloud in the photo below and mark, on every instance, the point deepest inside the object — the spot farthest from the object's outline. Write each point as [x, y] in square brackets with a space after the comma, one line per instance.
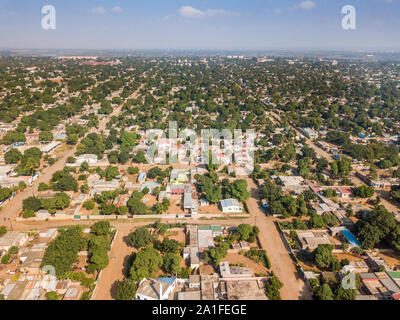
[190, 12]
[305, 5]
[117, 10]
[193, 13]
[99, 10]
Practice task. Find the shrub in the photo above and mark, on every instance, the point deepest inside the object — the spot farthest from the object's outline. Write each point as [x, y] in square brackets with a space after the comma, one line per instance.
[28, 214]
[52, 295]
[126, 290]
[6, 259]
[88, 204]
[13, 250]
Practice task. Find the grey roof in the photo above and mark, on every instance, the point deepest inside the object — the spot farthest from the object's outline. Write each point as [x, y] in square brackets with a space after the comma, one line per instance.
[230, 203]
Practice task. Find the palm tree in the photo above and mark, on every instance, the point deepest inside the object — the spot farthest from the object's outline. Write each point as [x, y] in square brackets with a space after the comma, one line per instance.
[275, 154]
[30, 166]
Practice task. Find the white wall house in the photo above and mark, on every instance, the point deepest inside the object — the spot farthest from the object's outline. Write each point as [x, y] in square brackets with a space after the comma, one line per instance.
[155, 289]
[231, 205]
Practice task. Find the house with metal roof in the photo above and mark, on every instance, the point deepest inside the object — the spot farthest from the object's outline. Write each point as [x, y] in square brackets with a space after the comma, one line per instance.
[231, 206]
[179, 176]
[141, 177]
[151, 185]
[350, 238]
[11, 239]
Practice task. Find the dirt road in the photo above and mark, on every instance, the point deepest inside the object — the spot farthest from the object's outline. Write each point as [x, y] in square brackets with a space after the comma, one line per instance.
[118, 265]
[12, 208]
[283, 266]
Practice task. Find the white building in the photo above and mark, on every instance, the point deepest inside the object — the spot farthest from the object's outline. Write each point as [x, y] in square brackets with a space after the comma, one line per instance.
[50, 147]
[6, 171]
[155, 289]
[11, 239]
[231, 205]
[89, 158]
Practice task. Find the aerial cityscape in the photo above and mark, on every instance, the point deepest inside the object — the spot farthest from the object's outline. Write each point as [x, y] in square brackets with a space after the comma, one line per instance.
[188, 173]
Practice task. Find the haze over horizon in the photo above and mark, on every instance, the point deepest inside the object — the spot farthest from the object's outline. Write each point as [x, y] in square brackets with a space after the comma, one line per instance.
[201, 25]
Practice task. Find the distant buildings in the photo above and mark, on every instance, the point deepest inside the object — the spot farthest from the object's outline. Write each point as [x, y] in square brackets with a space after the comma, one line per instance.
[141, 177]
[89, 158]
[310, 133]
[98, 186]
[295, 184]
[48, 148]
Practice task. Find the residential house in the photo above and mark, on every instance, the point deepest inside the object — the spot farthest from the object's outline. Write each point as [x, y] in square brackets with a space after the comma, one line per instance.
[231, 206]
[155, 289]
[11, 239]
[312, 239]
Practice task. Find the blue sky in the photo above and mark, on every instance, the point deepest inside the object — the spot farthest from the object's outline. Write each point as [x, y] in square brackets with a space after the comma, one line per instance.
[200, 24]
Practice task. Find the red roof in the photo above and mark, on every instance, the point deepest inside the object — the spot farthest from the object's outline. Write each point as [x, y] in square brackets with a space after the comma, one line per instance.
[316, 189]
[346, 190]
[396, 296]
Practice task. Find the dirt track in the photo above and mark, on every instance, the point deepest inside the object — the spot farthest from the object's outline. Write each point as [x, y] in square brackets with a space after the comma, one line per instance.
[117, 269]
[283, 266]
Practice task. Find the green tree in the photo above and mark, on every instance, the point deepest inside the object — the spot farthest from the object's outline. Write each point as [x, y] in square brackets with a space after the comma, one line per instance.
[111, 173]
[3, 231]
[88, 205]
[364, 191]
[133, 170]
[272, 288]
[5, 193]
[323, 256]
[31, 203]
[140, 238]
[345, 294]
[101, 228]
[66, 183]
[147, 261]
[12, 156]
[324, 292]
[100, 258]
[172, 263]
[52, 295]
[140, 157]
[238, 190]
[46, 136]
[244, 231]
[6, 259]
[126, 290]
